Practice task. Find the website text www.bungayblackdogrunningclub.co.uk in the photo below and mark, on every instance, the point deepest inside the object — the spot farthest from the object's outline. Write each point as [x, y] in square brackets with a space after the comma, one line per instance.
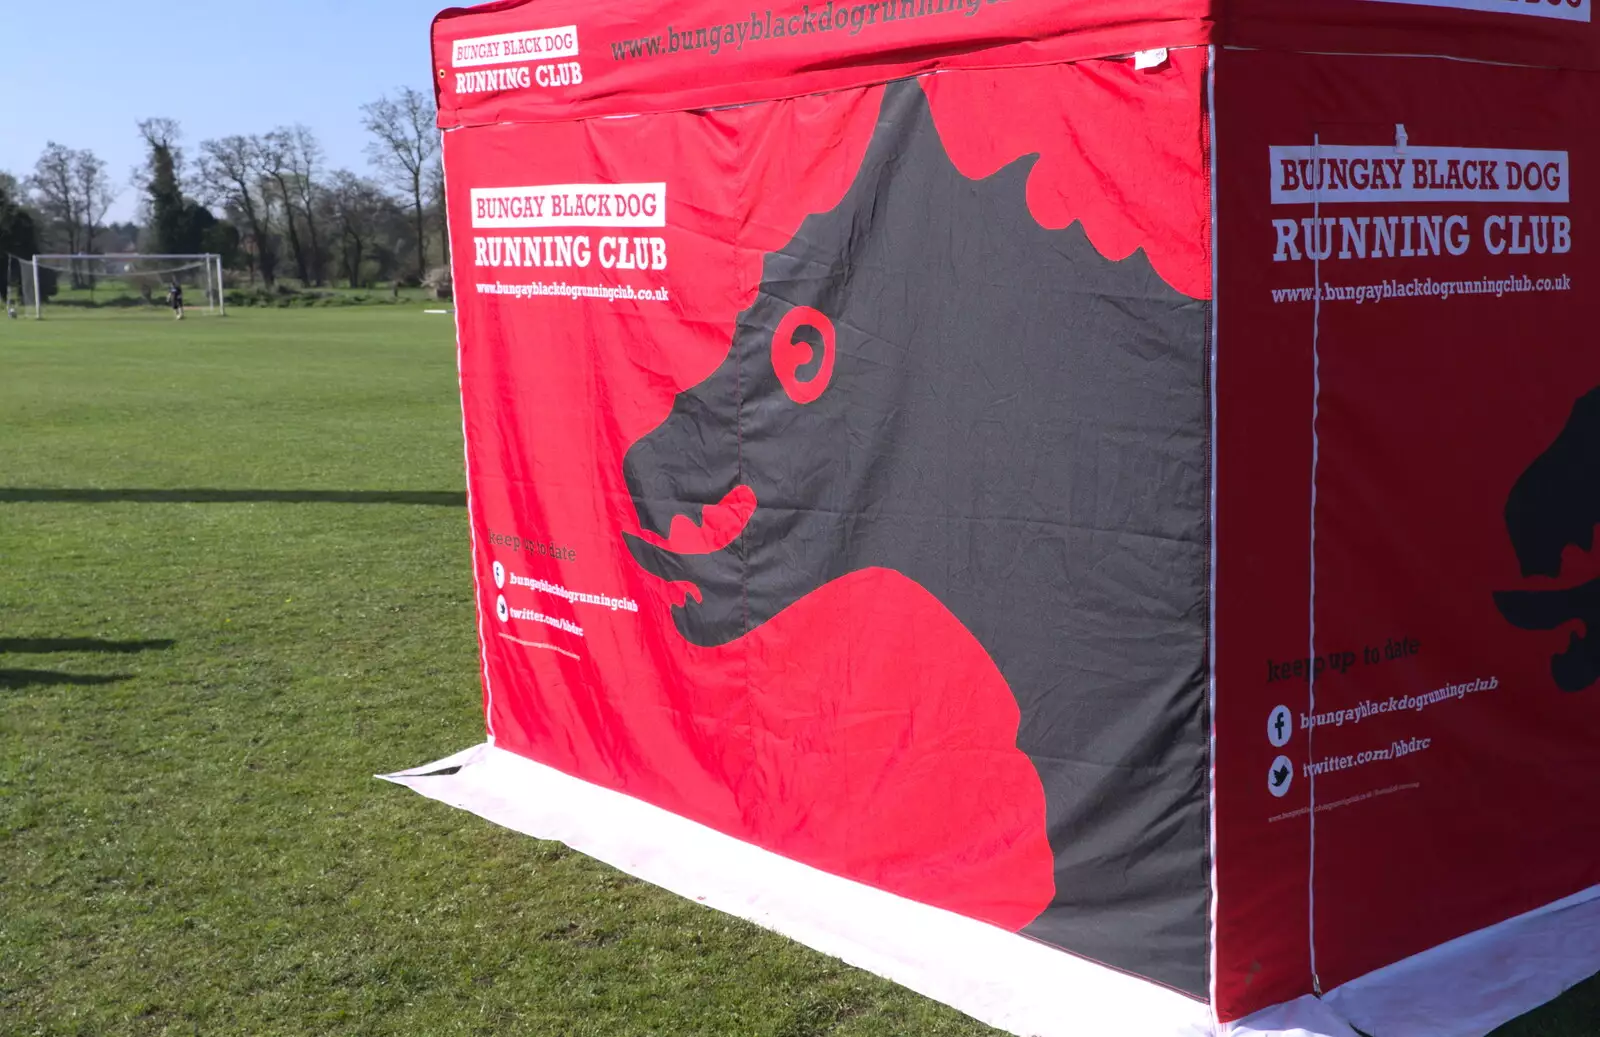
[1421, 288]
[816, 23]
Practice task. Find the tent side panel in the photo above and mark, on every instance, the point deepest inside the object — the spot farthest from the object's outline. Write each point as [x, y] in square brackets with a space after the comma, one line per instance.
[1407, 710]
[839, 475]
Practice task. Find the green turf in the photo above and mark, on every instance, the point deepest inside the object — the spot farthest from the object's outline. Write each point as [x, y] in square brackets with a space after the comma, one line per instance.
[234, 582]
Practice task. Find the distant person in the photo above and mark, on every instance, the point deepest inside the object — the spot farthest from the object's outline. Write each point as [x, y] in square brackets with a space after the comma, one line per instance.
[175, 300]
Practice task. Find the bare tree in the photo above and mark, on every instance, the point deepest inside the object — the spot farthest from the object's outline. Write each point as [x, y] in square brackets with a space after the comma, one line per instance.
[358, 208]
[273, 152]
[231, 177]
[405, 141]
[73, 192]
[305, 162]
[161, 135]
[52, 188]
[95, 193]
[436, 201]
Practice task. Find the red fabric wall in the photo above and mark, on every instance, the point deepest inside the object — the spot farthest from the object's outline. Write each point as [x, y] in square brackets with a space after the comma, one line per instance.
[1430, 411]
[863, 730]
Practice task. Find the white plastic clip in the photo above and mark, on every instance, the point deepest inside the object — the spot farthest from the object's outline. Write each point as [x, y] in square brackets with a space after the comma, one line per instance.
[1143, 59]
[1399, 138]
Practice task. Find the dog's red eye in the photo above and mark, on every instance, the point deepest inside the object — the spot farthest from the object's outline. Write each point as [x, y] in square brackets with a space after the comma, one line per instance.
[802, 353]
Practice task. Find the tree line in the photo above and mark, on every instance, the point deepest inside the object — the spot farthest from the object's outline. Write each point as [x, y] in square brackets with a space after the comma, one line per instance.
[267, 203]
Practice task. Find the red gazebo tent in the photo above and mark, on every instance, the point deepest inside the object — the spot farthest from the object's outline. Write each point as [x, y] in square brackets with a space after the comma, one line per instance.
[1083, 508]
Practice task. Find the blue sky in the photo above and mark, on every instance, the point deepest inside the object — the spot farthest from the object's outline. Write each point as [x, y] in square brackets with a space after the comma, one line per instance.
[85, 73]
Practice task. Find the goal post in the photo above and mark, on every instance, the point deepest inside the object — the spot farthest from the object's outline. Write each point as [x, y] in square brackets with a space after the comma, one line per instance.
[131, 282]
[21, 287]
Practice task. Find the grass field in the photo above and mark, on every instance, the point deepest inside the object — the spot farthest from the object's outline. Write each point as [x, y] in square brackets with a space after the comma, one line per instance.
[234, 585]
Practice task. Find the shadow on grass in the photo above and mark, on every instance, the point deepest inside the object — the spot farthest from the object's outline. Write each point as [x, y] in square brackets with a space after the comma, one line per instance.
[15, 680]
[48, 495]
[47, 645]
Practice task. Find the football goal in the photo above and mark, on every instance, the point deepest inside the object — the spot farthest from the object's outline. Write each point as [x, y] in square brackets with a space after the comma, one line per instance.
[131, 282]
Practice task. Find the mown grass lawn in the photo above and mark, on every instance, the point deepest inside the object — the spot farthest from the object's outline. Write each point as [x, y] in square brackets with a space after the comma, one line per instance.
[233, 586]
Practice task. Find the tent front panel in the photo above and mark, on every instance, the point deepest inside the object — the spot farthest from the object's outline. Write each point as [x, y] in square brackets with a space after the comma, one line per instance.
[1409, 455]
[838, 471]
[562, 59]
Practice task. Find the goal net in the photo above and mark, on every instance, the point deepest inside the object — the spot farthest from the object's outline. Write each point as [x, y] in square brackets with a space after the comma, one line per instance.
[130, 283]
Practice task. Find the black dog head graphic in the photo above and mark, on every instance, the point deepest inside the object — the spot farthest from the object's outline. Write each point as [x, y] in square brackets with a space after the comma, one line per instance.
[1556, 503]
[931, 382]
